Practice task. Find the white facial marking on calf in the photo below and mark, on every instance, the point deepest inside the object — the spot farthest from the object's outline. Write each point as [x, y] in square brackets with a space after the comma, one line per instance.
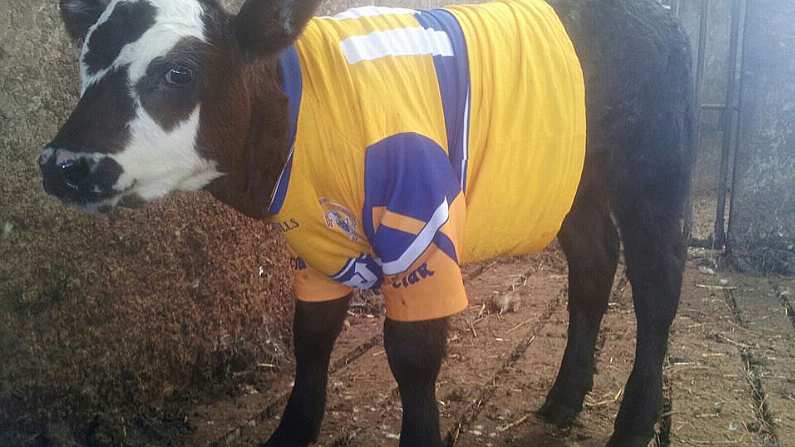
[180, 168]
[156, 161]
[176, 19]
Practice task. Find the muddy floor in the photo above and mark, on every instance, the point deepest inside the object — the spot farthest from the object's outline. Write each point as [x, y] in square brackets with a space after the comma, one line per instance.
[728, 376]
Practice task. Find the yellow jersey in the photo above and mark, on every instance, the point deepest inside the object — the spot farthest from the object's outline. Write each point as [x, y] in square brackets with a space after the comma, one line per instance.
[422, 140]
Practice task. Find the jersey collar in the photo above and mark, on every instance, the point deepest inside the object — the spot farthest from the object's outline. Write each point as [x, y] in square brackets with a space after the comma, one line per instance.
[290, 67]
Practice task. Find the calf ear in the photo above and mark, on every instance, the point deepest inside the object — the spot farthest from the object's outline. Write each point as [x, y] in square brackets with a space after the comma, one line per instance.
[79, 15]
[267, 26]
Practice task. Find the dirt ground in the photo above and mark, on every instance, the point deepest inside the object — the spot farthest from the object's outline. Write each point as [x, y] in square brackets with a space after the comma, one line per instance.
[728, 375]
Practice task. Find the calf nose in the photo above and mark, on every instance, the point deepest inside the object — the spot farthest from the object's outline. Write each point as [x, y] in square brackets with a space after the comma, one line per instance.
[74, 171]
[78, 177]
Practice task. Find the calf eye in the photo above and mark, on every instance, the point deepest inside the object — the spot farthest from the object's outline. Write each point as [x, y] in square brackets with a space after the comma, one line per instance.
[178, 76]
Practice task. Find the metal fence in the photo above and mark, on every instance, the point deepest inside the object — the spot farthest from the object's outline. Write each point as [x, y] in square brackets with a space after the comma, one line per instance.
[716, 28]
[743, 199]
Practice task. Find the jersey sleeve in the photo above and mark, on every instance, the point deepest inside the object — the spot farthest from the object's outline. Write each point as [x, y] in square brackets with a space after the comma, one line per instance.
[413, 217]
[309, 285]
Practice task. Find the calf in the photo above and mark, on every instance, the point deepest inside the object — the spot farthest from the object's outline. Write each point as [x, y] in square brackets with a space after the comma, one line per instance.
[392, 145]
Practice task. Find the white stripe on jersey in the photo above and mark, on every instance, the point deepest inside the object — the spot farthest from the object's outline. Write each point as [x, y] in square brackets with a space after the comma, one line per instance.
[397, 42]
[420, 243]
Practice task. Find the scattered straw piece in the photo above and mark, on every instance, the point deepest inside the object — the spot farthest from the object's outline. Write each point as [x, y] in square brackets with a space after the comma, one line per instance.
[509, 426]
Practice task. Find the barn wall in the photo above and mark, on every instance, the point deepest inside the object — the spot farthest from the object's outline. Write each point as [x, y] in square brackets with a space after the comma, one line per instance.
[99, 313]
[762, 229]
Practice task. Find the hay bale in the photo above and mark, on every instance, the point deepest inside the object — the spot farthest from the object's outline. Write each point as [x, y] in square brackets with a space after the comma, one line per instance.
[104, 318]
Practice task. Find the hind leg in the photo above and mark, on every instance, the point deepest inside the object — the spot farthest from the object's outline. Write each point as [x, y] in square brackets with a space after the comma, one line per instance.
[654, 250]
[590, 242]
[649, 206]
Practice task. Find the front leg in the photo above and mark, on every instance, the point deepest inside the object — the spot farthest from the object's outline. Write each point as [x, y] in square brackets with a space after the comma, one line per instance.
[315, 328]
[415, 351]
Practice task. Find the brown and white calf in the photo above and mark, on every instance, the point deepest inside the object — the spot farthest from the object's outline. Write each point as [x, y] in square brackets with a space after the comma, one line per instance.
[180, 95]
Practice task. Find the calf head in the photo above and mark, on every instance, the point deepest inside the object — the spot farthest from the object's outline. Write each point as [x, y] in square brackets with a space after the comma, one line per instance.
[175, 95]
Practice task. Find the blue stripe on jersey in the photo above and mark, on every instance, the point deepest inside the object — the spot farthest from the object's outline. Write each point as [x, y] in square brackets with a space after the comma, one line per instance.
[391, 243]
[446, 245]
[452, 74]
[408, 174]
[292, 84]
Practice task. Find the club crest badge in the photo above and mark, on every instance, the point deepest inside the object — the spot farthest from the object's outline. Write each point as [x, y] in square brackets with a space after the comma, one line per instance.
[339, 218]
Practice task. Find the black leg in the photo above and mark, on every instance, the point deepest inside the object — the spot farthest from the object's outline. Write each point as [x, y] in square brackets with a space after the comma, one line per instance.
[415, 351]
[590, 242]
[315, 329]
[652, 185]
[654, 250]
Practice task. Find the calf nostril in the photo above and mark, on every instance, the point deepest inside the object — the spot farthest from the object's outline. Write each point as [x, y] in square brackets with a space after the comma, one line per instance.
[74, 171]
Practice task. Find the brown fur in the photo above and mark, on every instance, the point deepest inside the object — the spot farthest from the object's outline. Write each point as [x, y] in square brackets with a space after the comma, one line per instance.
[244, 127]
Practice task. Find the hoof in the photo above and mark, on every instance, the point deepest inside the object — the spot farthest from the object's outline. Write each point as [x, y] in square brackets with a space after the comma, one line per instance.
[558, 414]
[629, 441]
[281, 443]
[278, 439]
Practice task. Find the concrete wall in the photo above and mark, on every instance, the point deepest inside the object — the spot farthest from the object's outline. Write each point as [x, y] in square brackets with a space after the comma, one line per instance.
[762, 230]
[762, 218]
